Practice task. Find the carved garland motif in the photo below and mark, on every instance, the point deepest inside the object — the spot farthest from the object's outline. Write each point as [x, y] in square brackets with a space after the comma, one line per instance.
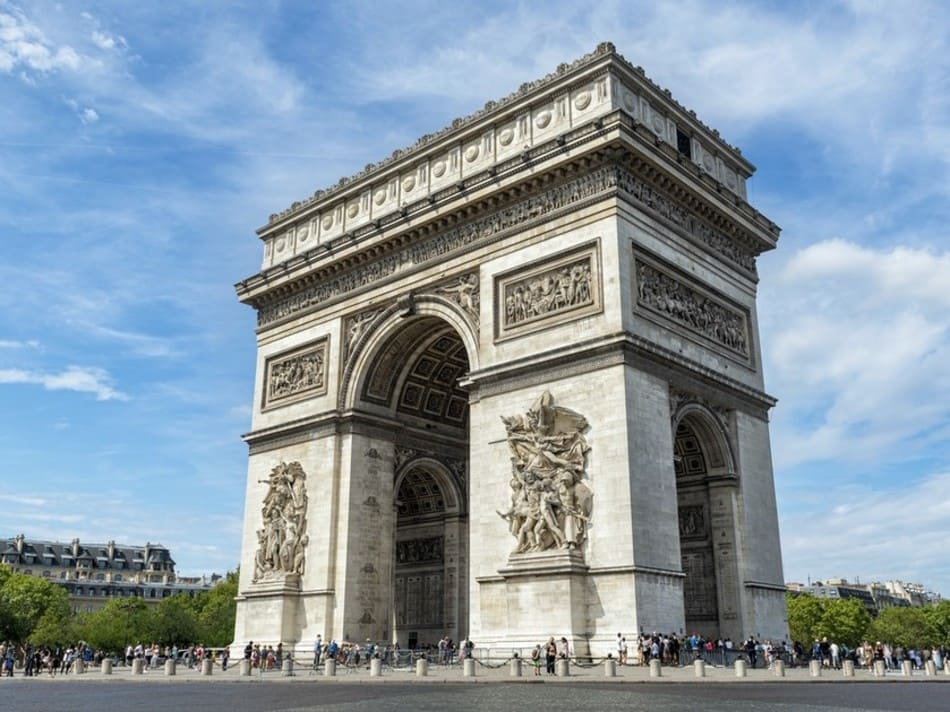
[684, 305]
[601, 180]
[550, 504]
[290, 377]
[282, 540]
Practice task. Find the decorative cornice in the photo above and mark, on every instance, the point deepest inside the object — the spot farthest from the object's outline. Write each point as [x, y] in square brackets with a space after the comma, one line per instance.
[604, 53]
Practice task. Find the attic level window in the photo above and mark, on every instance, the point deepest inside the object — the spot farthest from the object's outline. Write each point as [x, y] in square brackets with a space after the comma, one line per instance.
[683, 144]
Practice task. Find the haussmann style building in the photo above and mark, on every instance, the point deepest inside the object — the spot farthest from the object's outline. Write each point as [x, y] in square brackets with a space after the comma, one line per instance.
[509, 385]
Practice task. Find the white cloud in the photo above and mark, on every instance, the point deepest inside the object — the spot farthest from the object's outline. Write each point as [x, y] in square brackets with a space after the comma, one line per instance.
[74, 378]
[23, 44]
[106, 41]
[859, 352]
[88, 116]
[10, 344]
[896, 529]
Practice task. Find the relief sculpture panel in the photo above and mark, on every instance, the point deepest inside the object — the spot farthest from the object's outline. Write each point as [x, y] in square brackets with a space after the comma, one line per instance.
[550, 503]
[296, 375]
[700, 313]
[562, 289]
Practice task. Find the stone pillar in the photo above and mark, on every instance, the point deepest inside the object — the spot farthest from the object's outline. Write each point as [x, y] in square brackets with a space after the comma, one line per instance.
[847, 668]
[610, 668]
[375, 667]
[106, 668]
[699, 668]
[656, 669]
[207, 667]
[514, 667]
[468, 667]
[562, 668]
[245, 668]
[422, 667]
[740, 668]
[879, 669]
[170, 667]
[329, 668]
[814, 668]
[287, 667]
[946, 668]
[929, 668]
[778, 668]
[138, 665]
[907, 668]
[79, 667]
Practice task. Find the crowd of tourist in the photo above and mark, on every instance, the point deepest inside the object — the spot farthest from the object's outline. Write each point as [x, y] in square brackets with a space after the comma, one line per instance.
[58, 660]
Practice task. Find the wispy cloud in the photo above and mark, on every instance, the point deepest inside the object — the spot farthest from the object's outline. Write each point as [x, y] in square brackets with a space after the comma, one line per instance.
[24, 46]
[75, 378]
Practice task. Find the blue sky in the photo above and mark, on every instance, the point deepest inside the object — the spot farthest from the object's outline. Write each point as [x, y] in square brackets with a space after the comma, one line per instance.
[142, 143]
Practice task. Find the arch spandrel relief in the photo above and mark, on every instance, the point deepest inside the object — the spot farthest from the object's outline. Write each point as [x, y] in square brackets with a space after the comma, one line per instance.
[282, 540]
[550, 503]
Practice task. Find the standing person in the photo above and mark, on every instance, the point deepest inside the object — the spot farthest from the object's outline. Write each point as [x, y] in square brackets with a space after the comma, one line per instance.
[536, 659]
[317, 651]
[248, 649]
[550, 654]
[225, 655]
[564, 650]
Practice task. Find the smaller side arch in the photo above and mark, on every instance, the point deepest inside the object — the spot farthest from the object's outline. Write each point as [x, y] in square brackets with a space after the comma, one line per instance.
[713, 436]
[453, 498]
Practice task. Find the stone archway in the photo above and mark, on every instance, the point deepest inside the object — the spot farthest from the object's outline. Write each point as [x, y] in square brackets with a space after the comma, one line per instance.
[706, 487]
[410, 375]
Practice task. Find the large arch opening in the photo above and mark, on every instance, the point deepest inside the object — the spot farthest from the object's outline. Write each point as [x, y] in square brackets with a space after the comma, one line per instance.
[705, 488]
[412, 379]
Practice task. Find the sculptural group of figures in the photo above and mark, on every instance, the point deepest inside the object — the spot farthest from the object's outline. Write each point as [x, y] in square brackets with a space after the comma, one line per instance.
[282, 540]
[549, 292]
[550, 504]
[296, 374]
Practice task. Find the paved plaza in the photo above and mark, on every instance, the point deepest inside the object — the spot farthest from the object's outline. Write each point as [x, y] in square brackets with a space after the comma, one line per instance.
[490, 689]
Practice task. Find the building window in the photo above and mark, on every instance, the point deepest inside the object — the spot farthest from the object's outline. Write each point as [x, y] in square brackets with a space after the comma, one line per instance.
[47, 574]
[683, 144]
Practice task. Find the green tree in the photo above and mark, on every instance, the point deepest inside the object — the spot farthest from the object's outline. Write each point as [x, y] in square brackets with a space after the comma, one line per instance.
[938, 616]
[122, 621]
[216, 612]
[173, 622]
[908, 627]
[804, 617]
[24, 601]
[844, 620]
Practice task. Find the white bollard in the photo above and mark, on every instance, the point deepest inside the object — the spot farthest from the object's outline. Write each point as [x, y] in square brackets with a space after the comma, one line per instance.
[814, 668]
[422, 667]
[468, 667]
[907, 668]
[656, 669]
[329, 668]
[287, 667]
[778, 668]
[79, 667]
[699, 668]
[740, 668]
[138, 665]
[563, 667]
[207, 667]
[610, 668]
[375, 667]
[847, 668]
[170, 667]
[106, 668]
[514, 667]
[245, 668]
[946, 668]
[929, 668]
[879, 669]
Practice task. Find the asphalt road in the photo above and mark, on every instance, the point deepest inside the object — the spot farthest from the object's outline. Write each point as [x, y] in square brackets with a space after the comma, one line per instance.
[163, 696]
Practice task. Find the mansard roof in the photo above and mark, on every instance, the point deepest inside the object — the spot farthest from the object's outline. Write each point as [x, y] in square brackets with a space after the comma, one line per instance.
[95, 555]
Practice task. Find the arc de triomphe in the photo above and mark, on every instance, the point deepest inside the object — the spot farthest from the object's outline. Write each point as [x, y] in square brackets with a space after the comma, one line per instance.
[509, 385]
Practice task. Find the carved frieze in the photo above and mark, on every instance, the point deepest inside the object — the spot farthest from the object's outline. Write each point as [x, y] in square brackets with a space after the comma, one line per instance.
[692, 307]
[282, 539]
[297, 374]
[603, 180]
[550, 503]
[419, 551]
[561, 289]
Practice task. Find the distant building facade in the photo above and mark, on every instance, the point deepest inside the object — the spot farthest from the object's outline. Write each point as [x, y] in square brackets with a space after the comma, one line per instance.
[92, 574]
[875, 596]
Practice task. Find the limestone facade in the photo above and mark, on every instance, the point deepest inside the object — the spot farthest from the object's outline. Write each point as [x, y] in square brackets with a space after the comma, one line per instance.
[584, 244]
